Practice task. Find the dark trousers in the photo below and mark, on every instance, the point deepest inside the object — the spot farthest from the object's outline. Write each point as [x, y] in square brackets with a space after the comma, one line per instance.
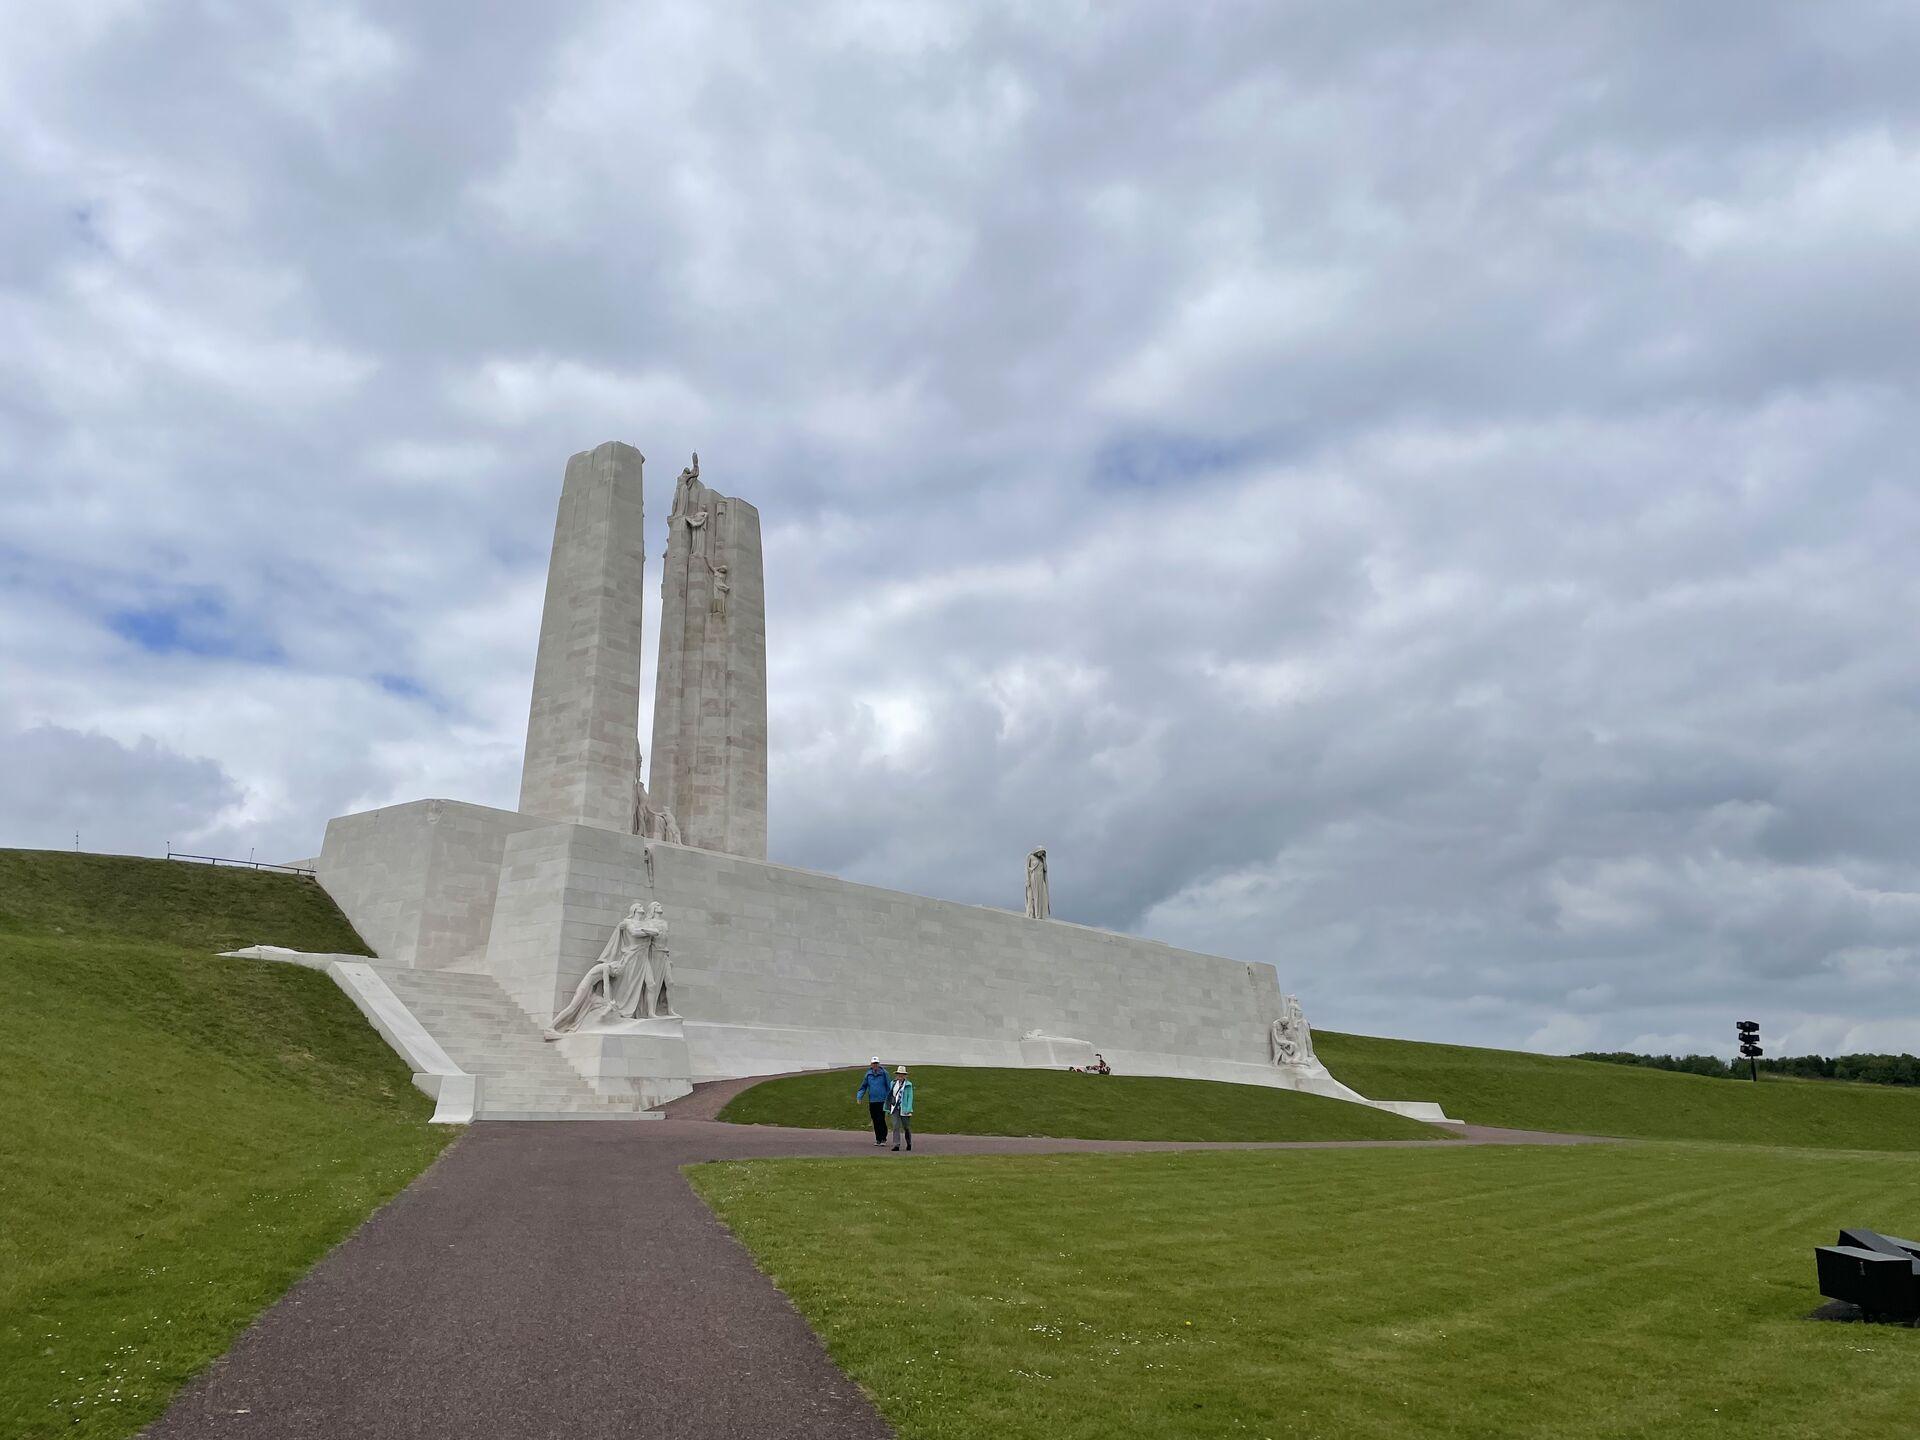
[879, 1113]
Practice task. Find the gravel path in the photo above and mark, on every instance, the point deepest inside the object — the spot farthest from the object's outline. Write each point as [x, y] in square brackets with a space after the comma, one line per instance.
[563, 1280]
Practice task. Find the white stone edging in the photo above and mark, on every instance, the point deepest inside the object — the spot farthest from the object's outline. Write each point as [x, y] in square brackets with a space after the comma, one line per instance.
[455, 1092]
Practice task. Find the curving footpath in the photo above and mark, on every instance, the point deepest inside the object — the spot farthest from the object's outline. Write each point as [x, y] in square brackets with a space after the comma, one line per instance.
[563, 1280]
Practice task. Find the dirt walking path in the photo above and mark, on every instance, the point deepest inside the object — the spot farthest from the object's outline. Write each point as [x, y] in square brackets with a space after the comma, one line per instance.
[563, 1280]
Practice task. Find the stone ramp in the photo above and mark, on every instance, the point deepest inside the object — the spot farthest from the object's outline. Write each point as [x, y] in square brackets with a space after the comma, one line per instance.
[521, 1076]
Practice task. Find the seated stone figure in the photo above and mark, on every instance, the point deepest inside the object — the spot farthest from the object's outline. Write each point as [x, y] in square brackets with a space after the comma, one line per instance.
[630, 975]
[1292, 1037]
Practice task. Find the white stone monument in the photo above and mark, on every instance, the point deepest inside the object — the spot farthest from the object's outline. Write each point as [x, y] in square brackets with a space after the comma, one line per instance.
[555, 913]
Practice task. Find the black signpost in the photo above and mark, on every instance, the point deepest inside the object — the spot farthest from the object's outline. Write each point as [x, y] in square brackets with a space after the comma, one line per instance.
[1749, 1032]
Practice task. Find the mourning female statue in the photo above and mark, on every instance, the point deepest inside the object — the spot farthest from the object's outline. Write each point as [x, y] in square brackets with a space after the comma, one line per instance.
[1292, 1037]
[631, 975]
[1039, 903]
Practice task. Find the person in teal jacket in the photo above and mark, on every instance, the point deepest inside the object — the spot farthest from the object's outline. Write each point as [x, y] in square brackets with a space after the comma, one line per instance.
[901, 1105]
[877, 1093]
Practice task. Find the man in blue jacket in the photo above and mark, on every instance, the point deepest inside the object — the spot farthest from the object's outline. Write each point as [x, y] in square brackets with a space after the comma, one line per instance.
[876, 1090]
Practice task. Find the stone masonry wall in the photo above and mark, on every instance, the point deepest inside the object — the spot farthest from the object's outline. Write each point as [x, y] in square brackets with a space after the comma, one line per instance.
[418, 880]
[781, 968]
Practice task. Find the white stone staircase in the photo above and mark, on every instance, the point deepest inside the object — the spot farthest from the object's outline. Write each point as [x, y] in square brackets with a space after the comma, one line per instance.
[521, 1076]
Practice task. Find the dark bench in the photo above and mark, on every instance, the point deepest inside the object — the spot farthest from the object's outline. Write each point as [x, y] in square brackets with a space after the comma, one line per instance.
[1878, 1273]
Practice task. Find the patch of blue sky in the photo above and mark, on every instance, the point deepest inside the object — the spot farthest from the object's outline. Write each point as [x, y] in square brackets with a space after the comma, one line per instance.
[199, 624]
[1152, 460]
[403, 687]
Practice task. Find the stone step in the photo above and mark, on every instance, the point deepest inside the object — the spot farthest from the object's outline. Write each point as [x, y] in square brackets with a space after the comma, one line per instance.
[485, 1033]
[485, 1114]
[571, 1095]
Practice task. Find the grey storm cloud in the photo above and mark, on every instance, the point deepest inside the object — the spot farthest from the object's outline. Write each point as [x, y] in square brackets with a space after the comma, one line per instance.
[1421, 495]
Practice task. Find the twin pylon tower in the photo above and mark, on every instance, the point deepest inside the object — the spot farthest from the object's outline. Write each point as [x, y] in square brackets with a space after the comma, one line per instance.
[710, 697]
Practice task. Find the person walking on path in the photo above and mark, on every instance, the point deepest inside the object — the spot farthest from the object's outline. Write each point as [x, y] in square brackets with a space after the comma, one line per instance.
[901, 1104]
[877, 1093]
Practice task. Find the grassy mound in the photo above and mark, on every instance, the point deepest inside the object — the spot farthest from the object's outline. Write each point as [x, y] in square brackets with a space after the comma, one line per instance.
[1648, 1290]
[1545, 1092]
[1055, 1103]
[184, 1135]
[199, 907]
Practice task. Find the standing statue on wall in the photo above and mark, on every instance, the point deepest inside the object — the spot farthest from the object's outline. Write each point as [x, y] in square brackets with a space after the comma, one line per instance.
[641, 809]
[649, 821]
[1292, 1037]
[631, 974]
[1039, 903]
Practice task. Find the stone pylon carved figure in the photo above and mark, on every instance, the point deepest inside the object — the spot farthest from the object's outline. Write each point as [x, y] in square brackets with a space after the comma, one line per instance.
[649, 821]
[1292, 1036]
[1039, 902]
[710, 697]
[631, 975]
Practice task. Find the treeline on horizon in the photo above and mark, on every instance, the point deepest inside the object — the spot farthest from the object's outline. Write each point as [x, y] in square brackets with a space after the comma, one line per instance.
[1865, 1069]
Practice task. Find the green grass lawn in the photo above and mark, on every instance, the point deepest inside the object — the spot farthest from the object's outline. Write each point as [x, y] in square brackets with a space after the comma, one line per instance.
[1067, 1106]
[1649, 1290]
[1545, 1092]
[183, 1135]
[199, 907]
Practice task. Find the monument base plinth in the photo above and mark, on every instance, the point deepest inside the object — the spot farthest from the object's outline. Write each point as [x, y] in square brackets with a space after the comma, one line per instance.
[642, 1060]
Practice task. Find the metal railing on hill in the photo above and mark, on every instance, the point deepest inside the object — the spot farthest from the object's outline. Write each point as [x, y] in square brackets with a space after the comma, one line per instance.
[243, 864]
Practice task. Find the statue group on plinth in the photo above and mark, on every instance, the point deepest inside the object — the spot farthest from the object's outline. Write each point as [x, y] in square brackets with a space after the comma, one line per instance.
[631, 976]
[1292, 1038]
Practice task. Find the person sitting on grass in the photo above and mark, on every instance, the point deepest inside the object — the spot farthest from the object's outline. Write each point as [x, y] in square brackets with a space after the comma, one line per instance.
[901, 1104]
[876, 1092]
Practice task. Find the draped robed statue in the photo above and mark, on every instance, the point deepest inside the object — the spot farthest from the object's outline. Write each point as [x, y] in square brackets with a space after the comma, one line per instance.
[1039, 902]
[631, 975]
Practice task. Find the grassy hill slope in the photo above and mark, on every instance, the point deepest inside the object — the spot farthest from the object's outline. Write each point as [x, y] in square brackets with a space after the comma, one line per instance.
[183, 1135]
[1081, 1107]
[54, 893]
[1546, 1092]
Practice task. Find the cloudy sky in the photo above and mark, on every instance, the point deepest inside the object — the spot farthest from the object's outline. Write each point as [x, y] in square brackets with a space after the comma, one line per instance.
[1421, 494]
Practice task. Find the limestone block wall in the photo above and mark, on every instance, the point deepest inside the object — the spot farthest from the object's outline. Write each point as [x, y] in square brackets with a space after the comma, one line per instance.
[777, 968]
[418, 880]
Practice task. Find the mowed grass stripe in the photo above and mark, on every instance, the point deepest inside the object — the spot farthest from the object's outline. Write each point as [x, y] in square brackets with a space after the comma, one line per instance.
[1055, 1103]
[1590, 1291]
